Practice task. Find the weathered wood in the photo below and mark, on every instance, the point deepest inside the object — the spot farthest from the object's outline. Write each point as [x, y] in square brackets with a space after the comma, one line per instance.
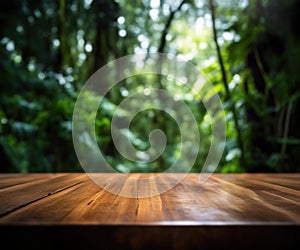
[237, 204]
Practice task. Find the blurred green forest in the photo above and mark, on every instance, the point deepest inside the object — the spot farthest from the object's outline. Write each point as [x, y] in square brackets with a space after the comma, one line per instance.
[248, 49]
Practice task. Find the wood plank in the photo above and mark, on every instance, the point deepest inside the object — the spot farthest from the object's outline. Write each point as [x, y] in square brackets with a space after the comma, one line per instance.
[8, 180]
[223, 199]
[20, 195]
[249, 200]
[285, 180]
[231, 211]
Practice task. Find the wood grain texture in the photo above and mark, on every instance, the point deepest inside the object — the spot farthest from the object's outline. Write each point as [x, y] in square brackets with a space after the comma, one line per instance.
[225, 205]
[222, 199]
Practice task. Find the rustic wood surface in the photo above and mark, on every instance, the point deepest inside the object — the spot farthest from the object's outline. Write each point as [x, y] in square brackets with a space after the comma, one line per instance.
[257, 206]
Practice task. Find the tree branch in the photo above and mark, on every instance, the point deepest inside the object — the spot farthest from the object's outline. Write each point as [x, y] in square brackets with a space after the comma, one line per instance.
[165, 31]
[286, 130]
[224, 77]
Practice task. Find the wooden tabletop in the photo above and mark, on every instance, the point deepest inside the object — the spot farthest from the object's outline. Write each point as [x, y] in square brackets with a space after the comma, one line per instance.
[240, 207]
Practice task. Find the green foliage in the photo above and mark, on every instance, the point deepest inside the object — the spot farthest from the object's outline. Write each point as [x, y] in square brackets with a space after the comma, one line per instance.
[48, 50]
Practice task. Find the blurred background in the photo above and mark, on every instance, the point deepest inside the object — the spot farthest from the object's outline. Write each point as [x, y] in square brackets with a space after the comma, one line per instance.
[248, 49]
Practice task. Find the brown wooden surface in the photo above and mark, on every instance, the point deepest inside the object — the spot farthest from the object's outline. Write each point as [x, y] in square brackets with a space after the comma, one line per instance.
[247, 206]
